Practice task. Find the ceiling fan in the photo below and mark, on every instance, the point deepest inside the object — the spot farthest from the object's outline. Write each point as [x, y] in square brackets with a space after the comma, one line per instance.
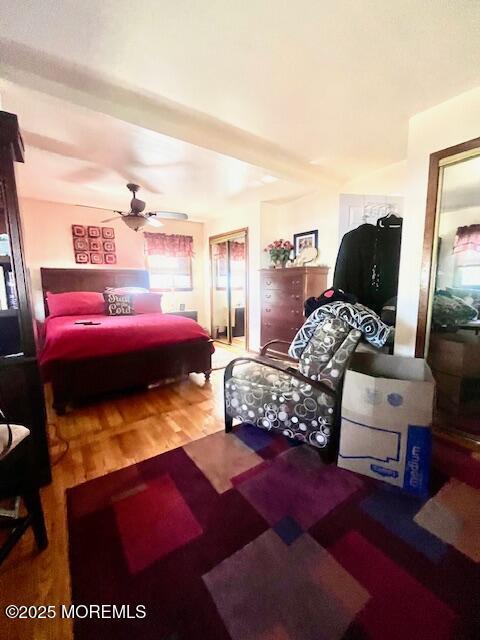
[137, 218]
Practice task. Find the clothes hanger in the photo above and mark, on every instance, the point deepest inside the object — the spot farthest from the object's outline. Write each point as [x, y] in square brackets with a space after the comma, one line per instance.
[390, 221]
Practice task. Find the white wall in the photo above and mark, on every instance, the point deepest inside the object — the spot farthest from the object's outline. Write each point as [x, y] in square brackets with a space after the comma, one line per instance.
[390, 180]
[450, 123]
[316, 210]
[48, 243]
[245, 215]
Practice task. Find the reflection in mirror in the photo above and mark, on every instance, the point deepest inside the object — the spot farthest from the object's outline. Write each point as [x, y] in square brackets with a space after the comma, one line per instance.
[454, 342]
[220, 326]
[228, 286]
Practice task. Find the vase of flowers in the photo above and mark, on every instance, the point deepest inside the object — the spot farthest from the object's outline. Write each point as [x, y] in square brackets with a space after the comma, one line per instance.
[279, 251]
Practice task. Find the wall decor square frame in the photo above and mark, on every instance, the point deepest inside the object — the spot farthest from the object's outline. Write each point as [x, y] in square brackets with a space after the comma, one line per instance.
[94, 244]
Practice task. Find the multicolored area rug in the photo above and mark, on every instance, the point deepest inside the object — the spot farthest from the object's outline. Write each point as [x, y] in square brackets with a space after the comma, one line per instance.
[246, 536]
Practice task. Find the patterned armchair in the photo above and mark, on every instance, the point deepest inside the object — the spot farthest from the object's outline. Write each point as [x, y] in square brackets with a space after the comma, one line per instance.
[301, 403]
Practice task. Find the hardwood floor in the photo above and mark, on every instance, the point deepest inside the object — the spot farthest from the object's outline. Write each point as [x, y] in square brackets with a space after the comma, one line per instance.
[102, 437]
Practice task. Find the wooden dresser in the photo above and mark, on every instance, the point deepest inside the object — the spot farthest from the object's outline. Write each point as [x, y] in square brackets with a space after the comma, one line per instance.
[283, 293]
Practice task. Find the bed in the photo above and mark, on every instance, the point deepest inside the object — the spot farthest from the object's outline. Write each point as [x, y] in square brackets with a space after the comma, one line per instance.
[84, 361]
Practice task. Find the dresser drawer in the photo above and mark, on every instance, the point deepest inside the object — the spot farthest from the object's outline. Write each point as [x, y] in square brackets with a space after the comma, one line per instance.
[282, 297]
[295, 313]
[279, 330]
[285, 313]
[274, 297]
[283, 281]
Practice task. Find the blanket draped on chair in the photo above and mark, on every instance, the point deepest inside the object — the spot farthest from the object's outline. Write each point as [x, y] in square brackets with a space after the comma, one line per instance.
[356, 316]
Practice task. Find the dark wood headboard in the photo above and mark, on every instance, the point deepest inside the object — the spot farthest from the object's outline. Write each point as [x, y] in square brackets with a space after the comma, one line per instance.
[61, 280]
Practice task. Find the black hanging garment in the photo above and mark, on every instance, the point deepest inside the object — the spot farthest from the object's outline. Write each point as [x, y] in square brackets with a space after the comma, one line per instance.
[368, 262]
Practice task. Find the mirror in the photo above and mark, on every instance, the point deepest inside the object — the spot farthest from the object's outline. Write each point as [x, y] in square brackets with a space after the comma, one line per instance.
[453, 326]
[228, 258]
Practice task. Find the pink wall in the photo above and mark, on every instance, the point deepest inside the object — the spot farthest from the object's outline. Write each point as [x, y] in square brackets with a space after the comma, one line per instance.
[48, 243]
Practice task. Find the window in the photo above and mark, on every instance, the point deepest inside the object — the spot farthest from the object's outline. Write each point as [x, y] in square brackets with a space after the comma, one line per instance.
[170, 272]
[470, 275]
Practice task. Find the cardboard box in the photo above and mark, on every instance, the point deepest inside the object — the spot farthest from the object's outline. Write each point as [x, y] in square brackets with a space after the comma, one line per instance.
[387, 409]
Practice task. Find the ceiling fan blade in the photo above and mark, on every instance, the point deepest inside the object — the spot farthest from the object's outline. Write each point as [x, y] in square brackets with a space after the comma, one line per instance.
[172, 215]
[86, 206]
[88, 174]
[154, 223]
[111, 219]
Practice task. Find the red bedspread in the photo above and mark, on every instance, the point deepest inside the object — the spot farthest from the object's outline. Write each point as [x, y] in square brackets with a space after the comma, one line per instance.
[65, 340]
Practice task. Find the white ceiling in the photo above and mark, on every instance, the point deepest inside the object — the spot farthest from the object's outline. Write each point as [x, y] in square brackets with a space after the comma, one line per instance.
[311, 81]
[78, 156]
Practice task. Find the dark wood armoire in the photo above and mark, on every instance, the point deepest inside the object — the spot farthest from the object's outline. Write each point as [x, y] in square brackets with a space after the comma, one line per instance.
[21, 389]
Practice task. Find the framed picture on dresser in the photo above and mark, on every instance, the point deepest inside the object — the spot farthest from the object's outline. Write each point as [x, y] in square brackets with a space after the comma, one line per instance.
[305, 240]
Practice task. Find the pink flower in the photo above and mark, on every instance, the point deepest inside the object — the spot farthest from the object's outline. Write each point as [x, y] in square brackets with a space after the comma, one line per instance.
[280, 249]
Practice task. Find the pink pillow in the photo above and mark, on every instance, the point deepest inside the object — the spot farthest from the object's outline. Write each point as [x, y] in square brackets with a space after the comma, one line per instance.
[75, 303]
[147, 302]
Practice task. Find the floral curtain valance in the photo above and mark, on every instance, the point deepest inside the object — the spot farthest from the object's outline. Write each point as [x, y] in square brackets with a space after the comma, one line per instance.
[467, 239]
[161, 244]
[237, 250]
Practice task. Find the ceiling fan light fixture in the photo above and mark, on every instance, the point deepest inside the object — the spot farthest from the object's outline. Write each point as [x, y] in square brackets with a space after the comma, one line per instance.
[134, 222]
[136, 219]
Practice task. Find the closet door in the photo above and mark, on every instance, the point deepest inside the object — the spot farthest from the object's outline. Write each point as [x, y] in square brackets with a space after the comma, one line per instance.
[238, 289]
[229, 288]
[221, 291]
[356, 210]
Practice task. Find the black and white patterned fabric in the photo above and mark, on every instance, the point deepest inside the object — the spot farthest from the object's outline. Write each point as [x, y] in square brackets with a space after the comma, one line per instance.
[356, 316]
[326, 356]
[274, 400]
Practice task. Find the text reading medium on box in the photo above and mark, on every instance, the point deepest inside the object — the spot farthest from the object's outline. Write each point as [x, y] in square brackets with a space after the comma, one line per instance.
[398, 457]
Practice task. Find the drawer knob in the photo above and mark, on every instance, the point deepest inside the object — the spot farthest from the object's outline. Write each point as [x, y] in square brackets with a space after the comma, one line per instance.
[268, 310]
[268, 282]
[268, 295]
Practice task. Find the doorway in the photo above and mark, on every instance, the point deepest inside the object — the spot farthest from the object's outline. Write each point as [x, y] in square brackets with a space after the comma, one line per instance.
[449, 331]
[229, 288]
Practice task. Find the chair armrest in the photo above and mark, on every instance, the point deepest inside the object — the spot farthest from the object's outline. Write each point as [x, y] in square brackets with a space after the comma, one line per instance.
[279, 366]
[267, 345]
